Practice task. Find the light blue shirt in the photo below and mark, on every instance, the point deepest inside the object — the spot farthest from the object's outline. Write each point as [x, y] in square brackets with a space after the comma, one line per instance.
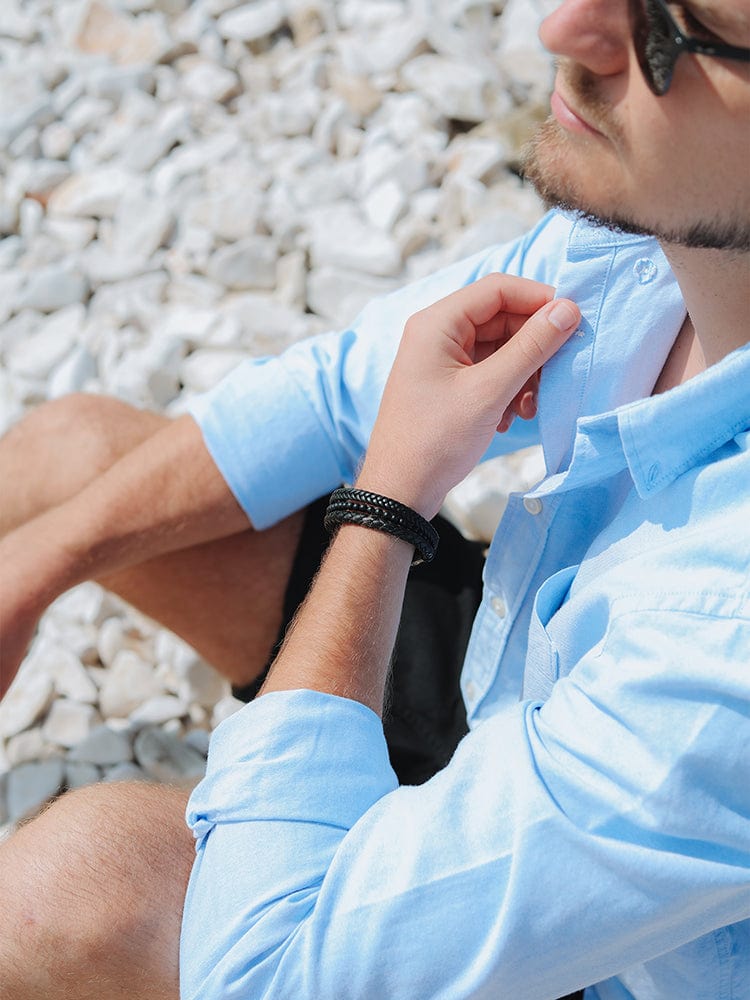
[594, 826]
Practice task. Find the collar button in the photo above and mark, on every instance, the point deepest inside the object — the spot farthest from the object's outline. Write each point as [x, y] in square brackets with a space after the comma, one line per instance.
[645, 270]
[533, 505]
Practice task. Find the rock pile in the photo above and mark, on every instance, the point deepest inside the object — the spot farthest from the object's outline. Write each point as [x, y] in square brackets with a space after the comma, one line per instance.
[184, 183]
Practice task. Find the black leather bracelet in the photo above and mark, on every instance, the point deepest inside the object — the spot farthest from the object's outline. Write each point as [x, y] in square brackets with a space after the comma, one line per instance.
[371, 510]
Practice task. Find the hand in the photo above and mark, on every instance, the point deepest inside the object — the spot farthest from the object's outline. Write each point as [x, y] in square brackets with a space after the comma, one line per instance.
[464, 366]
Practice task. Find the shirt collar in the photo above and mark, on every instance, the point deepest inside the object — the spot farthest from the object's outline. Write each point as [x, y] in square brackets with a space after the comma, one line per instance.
[658, 438]
[664, 436]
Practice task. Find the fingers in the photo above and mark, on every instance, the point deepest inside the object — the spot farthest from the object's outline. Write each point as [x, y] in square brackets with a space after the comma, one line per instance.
[497, 297]
[517, 362]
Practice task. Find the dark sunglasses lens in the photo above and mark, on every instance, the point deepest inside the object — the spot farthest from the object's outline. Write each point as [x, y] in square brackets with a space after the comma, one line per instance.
[654, 44]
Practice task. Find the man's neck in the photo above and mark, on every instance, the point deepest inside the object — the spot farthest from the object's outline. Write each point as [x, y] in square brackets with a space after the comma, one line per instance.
[684, 360]
[715, 285]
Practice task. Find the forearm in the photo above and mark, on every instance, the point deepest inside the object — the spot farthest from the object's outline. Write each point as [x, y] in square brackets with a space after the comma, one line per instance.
[165, 494]
[343, 637]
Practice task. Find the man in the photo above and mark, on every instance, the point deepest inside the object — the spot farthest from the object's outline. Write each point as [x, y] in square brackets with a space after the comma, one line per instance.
[594, 831]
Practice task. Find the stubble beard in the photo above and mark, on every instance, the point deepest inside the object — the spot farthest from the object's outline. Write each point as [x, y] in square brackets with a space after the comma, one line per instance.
[543, 165]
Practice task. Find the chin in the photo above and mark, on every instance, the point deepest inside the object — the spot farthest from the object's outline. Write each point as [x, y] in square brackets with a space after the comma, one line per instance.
[546, 164]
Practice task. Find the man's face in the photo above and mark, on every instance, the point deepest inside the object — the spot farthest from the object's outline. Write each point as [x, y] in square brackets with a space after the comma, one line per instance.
[677, 166]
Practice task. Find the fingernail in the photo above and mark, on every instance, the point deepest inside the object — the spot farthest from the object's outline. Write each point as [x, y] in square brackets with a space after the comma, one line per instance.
[563, 316]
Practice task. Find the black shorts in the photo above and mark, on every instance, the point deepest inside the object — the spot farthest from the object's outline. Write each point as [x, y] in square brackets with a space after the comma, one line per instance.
[425, 716]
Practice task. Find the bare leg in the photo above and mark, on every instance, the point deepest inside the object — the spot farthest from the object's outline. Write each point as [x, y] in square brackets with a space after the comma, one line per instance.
[92, 893]
[223, 597]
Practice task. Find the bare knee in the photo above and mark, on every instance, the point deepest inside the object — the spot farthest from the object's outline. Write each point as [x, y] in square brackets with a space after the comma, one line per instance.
[102, 427]
[61, 446]
[92, 895]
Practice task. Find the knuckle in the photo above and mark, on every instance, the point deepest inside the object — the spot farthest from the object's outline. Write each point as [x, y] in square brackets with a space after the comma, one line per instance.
[532, 348]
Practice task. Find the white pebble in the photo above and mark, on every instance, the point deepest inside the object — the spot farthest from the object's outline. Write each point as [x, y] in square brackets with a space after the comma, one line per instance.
[131, 681]
[159, 709]
[28, 698]
[69, 722]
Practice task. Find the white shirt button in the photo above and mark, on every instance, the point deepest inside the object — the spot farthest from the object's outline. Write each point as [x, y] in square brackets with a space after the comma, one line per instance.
[533, 505]
[471, 691]
[498, 606]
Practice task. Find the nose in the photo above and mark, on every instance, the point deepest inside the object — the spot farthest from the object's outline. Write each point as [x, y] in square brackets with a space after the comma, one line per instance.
[594, 33]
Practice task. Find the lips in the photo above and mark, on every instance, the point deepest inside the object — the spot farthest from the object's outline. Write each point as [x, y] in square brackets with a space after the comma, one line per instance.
[570, 119]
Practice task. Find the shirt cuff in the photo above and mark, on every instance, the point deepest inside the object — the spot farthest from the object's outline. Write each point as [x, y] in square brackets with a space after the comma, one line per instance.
[266, 440]
[280, 756]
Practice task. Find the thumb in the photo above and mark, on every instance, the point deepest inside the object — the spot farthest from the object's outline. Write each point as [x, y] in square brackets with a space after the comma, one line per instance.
[541, 336]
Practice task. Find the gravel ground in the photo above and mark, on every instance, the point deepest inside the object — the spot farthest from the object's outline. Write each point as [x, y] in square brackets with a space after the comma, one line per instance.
[183, 184]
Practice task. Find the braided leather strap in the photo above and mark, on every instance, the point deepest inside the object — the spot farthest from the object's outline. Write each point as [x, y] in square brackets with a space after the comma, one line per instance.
[371, 510]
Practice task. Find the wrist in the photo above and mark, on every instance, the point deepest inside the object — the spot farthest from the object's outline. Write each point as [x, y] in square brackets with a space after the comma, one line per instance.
[377, 512]
[376, 478]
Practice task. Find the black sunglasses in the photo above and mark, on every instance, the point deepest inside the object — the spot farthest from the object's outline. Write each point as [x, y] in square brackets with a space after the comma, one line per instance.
[659, 42]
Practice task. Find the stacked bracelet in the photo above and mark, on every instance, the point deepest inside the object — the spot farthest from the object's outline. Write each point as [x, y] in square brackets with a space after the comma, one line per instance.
[370, 510]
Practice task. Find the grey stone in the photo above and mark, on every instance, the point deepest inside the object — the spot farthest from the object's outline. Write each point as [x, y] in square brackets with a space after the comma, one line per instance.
[166, 758]
[199, 739]
[103, 746]
[33, 784]
[78, 774]
[125, 772]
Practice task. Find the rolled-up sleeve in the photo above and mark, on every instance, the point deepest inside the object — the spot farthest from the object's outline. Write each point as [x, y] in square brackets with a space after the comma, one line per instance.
[285, 430]
[564, 842]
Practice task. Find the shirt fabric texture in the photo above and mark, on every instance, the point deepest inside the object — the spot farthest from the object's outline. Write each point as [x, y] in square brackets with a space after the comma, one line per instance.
[594, 825]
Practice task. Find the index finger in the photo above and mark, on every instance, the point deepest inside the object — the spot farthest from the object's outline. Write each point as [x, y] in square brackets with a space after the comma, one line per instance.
[481, 301]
